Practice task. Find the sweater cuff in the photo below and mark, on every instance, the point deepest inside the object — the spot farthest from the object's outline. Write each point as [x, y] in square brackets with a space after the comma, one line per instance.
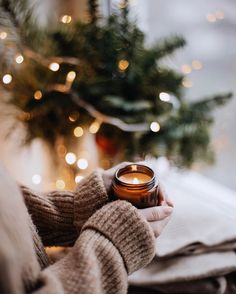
[127, 229]
[90, 195]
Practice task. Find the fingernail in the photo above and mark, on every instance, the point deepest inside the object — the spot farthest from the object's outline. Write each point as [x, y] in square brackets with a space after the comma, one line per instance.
[167, 210]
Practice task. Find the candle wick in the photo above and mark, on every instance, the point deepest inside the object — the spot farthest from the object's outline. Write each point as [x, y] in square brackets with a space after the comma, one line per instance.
[135, 181]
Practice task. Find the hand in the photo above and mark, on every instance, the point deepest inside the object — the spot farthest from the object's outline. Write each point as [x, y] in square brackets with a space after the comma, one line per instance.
[109, 174]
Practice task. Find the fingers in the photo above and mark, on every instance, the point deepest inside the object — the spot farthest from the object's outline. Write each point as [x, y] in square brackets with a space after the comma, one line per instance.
[158, 226]
[156, 213]
[164, 199]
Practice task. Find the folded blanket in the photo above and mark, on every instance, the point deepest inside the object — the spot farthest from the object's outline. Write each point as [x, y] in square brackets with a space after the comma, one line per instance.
[200, 239]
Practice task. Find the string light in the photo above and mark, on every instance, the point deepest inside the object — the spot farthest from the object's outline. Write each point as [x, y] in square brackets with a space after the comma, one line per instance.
[186, 68]
[70, 158]
[70, 76]
[60, 184]
[78, 132]
[82, 163]
[54, 66]
[123, 64]
[19, 59]
[155, 127]
[78, 179]
[94, 127]
[213, 17]
[38, 95]
[36, 179]
[164, 97]
[3, 35]
[7, 78]
[66, 19]
[187, 83]
[196, 64]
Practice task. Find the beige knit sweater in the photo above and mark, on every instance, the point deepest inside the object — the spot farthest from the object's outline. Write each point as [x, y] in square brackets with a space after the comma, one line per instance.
[109, 241]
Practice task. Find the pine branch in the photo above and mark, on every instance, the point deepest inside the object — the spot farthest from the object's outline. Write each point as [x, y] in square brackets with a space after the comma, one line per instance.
[93, 11]
[209, 104]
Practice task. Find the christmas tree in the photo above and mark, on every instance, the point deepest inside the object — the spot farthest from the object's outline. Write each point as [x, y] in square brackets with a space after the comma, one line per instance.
[99, 77]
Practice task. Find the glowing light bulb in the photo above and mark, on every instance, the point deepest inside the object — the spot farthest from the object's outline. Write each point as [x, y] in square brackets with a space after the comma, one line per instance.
[38, 95]
[196, 64]
[78, 179]
[186, 68]
[71, 76]
[54, 66]
[187, 83]
[78, 132]
[155, 127]
[82, 163]
[3, 35]
[94, 127]
[7, 78]
[60, 184]
[123, 64]
[164, 97]
[70, 158]
[36, 179]
[135, 181]
[19, 59]
[66, 19]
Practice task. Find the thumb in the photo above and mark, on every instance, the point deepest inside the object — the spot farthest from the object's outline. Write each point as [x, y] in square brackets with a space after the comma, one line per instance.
[156, 213]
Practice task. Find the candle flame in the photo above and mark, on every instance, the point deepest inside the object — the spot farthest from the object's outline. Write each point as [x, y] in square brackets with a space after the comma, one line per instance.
[135, 181]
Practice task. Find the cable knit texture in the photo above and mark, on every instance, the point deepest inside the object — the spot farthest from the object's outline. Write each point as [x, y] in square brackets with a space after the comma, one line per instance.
[114, 241]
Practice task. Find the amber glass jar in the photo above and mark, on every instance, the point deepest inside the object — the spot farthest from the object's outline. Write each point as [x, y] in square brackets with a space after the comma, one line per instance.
[137, 184]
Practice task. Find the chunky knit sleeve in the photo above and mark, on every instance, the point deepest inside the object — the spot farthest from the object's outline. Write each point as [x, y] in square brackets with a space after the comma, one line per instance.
[60, 215]
[113, 243]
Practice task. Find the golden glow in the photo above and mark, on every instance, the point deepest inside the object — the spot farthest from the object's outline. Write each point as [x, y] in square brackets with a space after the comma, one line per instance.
[54, 66]
[164, 97]
[94, 127]
[73, 116]
[155, 127]
[7, 78]
[38, 95]
[78, 179]
[82, 163]
[3, 35]
[70, 158]
[36, 179]
[135, 181]
[70, 76]
[187, 83]
[19, 59]
[196, 64]
[60, 184]
[78, 132]
[66, 19]
[123, 64]
[186, 68]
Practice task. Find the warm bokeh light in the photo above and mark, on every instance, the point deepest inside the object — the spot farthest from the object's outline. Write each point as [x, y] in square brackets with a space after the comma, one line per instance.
[38, 95]
[36, 179]
[78, 132]
[60, 184]
[7, 78]
[123, 64]
[66, 19]
[186, 68]
[155, 127]
[211, 17]
[70, 158]
[19, 59]
[94, 127]
[220, 15]
[71, 76]
[187, 83]
[196, 64]
[82, 163]
[164, 97]
[54, 66]
[3, 35]
[78, 179]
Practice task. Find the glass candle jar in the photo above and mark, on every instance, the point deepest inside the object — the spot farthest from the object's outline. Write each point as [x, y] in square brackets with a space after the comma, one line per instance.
[137, 184]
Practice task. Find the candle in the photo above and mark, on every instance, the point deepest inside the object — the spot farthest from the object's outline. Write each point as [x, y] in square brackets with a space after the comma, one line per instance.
[137, 184]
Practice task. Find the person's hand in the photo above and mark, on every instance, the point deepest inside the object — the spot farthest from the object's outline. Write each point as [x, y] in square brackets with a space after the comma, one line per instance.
[159, 216]
[109, 174]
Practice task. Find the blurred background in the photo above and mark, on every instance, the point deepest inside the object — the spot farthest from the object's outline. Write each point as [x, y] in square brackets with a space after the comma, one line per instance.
[153, 121]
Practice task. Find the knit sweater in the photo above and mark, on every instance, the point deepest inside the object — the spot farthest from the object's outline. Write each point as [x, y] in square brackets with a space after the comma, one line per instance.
[109, 240]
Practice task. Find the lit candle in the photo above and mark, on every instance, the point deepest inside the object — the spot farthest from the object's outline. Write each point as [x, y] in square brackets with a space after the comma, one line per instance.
[137, 184]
